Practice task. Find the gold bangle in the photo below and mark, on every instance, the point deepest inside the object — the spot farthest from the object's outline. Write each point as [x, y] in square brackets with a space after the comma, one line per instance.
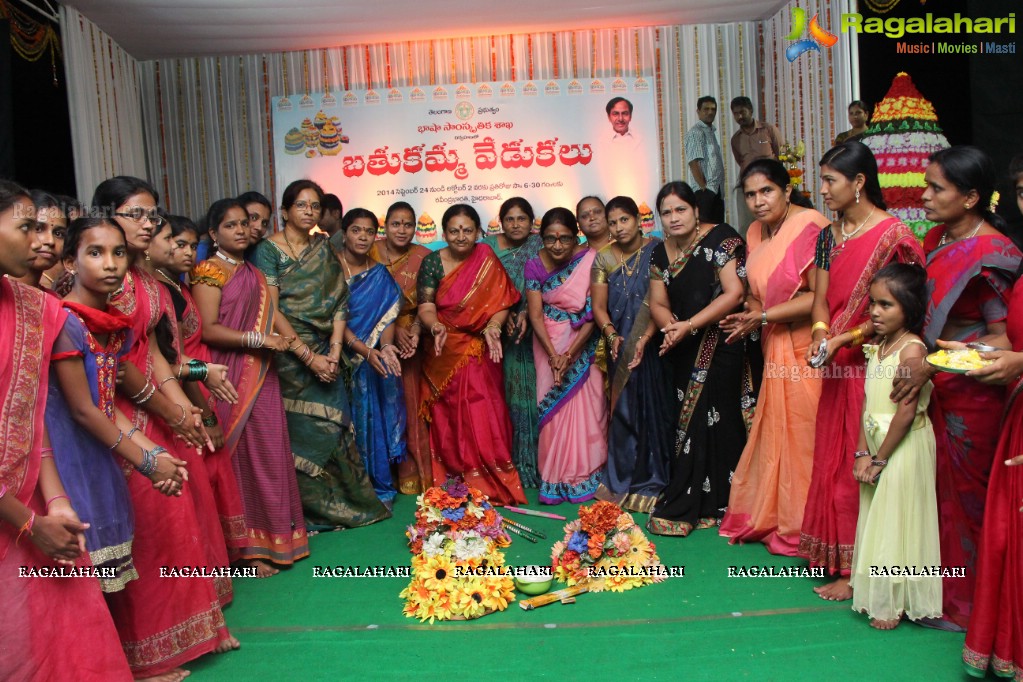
[823, 326]
[857, 336]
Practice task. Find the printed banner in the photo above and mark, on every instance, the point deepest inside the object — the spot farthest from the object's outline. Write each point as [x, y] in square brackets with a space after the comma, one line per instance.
[480, 144]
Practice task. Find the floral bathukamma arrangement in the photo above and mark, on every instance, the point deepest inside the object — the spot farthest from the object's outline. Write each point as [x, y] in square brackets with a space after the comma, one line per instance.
[457, 568]
[605, 543]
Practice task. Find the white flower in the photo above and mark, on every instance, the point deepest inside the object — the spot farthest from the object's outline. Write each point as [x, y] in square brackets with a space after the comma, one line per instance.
[434, 544]
[470, 546]
[681, 394]
[706, 485]
[474, 510]
[433, 515]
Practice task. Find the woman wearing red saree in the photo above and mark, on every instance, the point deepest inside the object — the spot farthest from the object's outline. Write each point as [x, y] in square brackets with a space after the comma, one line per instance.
[994, 638]
[971, 266]
[52, 628]
[163, 621]
[403, 259]
[172, 254]
[464, 297]
[848, 253]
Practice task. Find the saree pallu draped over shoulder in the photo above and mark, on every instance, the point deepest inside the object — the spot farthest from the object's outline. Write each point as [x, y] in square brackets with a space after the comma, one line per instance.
[415, 472]
[189, 621]
[378, 405]
[770, 485]
[833, 499]
[519, 369]
[255, 429]
[994, 638]
[41, 636]
[573, 415]
[463, 396]
[638, 448]
[334, 486]
[971, 281]
[713, 388]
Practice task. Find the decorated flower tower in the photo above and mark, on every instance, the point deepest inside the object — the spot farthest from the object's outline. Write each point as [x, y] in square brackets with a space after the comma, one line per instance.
[903, 132]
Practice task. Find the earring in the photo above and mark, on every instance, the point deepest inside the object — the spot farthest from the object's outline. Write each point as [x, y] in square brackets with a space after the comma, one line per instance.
[857, 195]
[147, 255]
[967, 206]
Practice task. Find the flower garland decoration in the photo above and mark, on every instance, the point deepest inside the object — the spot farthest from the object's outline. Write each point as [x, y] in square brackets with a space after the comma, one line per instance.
[605, 543]
[457, 569]
[791, 157]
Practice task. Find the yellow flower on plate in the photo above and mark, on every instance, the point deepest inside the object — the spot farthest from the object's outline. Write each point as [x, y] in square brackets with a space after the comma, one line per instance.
[439, 572]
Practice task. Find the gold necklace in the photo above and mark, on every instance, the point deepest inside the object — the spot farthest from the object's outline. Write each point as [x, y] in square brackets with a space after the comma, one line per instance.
[349, 273]
[946, 240]
[881, 351]
[169, 280]
[288, 242]
[623, 260]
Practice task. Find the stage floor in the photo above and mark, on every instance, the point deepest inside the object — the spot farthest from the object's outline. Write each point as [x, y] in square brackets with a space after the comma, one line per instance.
[705, 625]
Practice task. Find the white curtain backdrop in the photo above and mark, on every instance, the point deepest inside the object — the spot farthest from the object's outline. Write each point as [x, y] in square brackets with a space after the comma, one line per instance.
[808, 98]
[199, 128]
[207, 122]
[103, 99]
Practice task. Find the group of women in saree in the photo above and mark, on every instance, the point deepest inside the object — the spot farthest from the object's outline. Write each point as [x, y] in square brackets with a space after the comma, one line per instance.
[671, 376]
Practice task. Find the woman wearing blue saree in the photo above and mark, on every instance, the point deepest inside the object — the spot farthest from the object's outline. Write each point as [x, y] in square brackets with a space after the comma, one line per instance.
[638, 450]
[378, 402]
[308, 284]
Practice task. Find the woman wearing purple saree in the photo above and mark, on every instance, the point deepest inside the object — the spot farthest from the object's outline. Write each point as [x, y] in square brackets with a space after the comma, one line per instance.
[238, 313]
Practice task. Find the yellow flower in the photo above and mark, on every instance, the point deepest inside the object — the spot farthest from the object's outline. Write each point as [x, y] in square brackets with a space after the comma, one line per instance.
[439, 573]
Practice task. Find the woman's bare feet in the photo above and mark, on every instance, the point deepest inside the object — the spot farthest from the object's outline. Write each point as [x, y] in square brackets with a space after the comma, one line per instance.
[229, 644]
[836, 591]
[175, 675]
[263, 568]
[885, 624]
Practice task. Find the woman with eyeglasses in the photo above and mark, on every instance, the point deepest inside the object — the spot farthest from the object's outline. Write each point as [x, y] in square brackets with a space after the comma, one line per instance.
[378, 406]
[464, 301]
[403, 259]
[307, 285]
[515, 245]
[638, 449]
[697, 277]
[236, 319]
[169, 531]
[569, 387]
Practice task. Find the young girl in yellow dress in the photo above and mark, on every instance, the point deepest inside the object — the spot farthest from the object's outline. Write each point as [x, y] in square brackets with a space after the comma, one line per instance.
[897, 551]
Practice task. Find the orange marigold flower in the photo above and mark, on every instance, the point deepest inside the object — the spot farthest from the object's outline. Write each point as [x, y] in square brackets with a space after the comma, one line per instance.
[600, 517]
[596, 545]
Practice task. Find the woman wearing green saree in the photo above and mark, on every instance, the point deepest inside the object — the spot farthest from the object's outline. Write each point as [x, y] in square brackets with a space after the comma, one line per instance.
[514, 246]
[305, 277]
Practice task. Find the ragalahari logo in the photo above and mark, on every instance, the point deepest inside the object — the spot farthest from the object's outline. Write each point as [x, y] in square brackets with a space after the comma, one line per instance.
[818, 36]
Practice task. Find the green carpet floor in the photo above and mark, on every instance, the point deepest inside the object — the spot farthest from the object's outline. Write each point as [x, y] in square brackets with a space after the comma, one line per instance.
[705, 625]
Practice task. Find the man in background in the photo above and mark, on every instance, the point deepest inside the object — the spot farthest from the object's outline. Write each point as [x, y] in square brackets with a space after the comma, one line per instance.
[753, 140]
[703, 156]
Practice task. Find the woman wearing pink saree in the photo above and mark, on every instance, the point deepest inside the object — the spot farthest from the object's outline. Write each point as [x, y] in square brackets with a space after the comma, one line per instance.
[569, 386]
[769, 487]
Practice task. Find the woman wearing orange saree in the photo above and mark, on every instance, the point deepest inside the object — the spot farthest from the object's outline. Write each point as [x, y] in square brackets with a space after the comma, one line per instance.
[403, 259]
[769, 486]
[52, 628]
[464, 297]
